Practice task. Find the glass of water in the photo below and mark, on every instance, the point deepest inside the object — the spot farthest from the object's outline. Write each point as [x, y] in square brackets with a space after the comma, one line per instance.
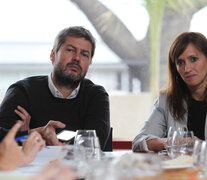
[169, 141]
[91, 146]
[84, 133]
[182, 143]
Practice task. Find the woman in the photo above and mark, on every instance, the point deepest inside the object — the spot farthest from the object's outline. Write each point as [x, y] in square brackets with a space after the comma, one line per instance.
[184, 102]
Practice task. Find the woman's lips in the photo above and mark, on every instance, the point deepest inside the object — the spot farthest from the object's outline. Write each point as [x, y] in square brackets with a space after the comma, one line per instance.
[189, 76]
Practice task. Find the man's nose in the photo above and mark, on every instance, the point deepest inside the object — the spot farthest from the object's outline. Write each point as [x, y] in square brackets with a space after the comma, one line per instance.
[76, 56]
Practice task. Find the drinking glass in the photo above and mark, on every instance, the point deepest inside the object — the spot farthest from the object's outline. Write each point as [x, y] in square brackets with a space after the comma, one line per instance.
[170, 134]
[91, 146]
[84, 133]
[198, 153]
[189, 142]
[137, 166]
[200, 157]
[169, 141]
[182, 143]
[75, 158]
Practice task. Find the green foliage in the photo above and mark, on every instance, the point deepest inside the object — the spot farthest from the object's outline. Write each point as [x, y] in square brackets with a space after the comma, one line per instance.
[155, 9]
[179, 5]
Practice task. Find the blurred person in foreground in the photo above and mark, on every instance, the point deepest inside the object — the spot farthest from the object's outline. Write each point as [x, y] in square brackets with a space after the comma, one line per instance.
[12, 156]
[64, 96]
[184, 102]
[56, 171]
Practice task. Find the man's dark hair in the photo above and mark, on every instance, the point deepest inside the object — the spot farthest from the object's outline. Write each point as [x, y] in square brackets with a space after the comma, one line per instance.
[74, 31]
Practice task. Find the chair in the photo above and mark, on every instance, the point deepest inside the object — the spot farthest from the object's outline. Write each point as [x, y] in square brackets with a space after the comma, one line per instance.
[117, 144]
[109, 143]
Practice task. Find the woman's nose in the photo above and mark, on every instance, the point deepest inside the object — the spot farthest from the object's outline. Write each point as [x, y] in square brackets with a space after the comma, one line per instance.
[187, 67]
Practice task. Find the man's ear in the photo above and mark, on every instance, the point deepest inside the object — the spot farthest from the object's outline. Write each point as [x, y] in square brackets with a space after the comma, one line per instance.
[52, 56]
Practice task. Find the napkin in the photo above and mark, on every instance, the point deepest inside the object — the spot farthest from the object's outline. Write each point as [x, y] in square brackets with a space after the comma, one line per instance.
[179, 161]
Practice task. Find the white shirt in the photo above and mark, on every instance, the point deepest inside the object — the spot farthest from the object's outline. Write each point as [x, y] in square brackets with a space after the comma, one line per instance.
[56, 93]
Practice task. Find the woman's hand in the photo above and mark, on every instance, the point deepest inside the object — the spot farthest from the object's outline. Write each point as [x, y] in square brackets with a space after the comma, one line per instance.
[11, 155]
[31, 146]
[25, 116]
[156, 144]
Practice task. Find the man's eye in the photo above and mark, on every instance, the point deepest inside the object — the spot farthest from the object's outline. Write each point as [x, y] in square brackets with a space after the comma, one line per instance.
[70, 50]
[85, 55]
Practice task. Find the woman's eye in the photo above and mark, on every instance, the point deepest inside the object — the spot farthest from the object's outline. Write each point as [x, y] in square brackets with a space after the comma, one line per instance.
[193, 59]
[179, 62]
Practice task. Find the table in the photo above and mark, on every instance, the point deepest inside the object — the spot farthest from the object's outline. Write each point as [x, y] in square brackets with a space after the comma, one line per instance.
[26, 172]
[47, 155]
[42, 159]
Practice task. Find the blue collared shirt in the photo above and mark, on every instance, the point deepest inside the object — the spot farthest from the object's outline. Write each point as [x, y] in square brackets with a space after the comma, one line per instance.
[56, 93]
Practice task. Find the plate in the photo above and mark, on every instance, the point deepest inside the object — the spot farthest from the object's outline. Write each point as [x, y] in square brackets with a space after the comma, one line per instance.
[183, 161]
[178, 166]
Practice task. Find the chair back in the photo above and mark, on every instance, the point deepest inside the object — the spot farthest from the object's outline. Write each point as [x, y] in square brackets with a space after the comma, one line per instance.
[109, 143]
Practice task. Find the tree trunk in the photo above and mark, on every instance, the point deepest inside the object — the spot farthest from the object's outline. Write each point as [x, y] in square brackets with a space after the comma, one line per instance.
[136, 54]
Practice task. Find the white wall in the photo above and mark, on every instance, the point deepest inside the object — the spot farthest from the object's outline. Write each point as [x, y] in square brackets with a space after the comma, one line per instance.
[128, 113]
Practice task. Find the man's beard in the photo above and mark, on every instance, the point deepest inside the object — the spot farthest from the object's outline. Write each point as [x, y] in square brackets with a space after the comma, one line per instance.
[68, 80]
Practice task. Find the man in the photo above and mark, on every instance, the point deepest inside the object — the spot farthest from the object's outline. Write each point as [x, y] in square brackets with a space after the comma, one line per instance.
[65, 95]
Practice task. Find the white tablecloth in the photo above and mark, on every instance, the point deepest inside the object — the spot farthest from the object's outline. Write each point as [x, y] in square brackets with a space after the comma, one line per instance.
[43, 158]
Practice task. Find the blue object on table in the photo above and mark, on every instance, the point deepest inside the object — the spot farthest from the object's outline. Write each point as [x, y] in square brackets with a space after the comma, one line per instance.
[21, 138]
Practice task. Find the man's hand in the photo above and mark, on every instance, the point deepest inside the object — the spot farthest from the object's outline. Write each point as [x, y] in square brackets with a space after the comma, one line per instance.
[25, 116]
[48, 132]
